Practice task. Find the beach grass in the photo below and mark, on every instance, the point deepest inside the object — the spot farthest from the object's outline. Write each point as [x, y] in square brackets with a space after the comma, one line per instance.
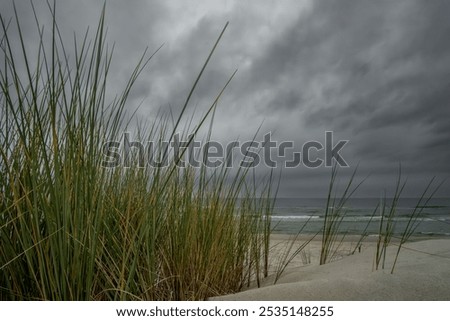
[387, 222]
[414, 219]
[291, 250]
[73, 229]
[332, 235]
[387, 230]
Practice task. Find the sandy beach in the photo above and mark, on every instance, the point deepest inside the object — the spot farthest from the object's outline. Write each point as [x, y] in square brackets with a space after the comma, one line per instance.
[422, 272]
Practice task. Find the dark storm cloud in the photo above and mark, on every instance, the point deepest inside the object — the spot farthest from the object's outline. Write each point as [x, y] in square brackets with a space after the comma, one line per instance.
[376, 73]
[179, 65]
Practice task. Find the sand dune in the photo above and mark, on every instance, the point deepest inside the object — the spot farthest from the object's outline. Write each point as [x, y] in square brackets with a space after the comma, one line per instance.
[422, 273]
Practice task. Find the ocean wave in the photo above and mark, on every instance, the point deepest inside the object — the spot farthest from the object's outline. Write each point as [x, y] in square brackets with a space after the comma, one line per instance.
[357, 218]
[296, 217]
[434, 233]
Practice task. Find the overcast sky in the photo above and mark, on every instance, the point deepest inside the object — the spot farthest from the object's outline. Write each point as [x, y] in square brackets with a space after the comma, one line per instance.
[376, 73]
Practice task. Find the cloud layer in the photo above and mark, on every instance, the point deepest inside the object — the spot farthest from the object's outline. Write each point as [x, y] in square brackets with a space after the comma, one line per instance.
[376, 73]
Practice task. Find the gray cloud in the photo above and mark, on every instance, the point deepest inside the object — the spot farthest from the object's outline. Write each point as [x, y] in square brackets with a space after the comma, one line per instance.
[375, 72]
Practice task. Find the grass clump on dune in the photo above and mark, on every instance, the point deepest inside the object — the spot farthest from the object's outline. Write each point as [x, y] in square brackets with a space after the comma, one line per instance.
[335, 212]
[388, 216]
[71, 229]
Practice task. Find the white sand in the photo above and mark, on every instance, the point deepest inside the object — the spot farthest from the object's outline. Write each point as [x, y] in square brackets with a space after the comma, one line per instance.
[422, 273]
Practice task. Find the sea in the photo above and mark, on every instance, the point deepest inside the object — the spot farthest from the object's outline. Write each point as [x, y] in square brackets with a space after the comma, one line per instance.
[290, 215]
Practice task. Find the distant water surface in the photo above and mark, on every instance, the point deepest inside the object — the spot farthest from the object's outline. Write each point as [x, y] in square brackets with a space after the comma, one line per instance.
[290, 214]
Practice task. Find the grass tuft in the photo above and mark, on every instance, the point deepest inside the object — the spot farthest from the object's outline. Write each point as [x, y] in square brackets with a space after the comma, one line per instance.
[332, 236]
[71, 229]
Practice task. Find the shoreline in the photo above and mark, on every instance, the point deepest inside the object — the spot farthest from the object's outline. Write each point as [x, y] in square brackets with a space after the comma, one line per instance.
[356, 237]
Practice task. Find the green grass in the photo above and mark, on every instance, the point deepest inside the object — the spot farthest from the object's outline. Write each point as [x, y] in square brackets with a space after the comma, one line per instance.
[71, 229]
[415, 217]
[332, 236]
[387, 222]
[290, 252]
